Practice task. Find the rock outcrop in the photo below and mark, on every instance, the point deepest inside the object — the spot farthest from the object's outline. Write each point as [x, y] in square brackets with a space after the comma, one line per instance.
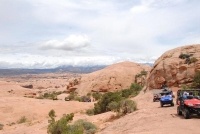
[72, 84]
[175, 67]
[115, 77]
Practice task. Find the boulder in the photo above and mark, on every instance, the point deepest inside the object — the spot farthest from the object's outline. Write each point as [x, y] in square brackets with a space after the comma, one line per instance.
[175, 67]
[112, 78]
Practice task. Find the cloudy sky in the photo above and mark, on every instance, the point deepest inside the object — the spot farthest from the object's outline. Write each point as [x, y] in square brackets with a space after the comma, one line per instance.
[51, 33]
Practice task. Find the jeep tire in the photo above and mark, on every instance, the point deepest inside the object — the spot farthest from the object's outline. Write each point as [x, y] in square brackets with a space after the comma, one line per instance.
[186, 113]
[172, 104]
[161, 104]
[179, 111]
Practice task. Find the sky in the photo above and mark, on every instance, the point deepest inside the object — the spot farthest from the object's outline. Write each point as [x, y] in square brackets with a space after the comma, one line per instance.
[52, 33]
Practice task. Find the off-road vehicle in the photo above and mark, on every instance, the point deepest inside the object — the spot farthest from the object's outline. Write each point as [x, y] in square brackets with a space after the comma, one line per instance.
[188, 103]
[166, 97]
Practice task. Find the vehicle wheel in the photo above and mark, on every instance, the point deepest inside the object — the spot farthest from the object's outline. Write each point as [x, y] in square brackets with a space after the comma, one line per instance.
[161, 104]
[172, 104]
[179, 111]
[186, 113]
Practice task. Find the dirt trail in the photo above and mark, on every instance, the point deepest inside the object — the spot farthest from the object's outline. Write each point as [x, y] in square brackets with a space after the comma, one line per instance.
[150, 118]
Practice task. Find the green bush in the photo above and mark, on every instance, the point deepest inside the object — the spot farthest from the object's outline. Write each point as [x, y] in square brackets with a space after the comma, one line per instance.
[196, 80]
[188, 58]
[111, 101]
[62, 126]
[52, 113]
[72, 96]
[184, 56]
[88, 127]
[137, 88]
[52, 96]
[143, 72]
[23, 119]
[90, 112]
[96, 95]
[102, 105]
[1, 126]
[114, 106]
[127, 106]
[127, 92]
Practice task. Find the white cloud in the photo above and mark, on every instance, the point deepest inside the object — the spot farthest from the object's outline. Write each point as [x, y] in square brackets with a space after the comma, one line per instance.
[39, 61]
[70, 43]
[135, 31]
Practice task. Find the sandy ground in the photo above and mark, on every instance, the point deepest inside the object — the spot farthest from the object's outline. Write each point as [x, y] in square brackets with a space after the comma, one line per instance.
[13, 105]
[150, 118]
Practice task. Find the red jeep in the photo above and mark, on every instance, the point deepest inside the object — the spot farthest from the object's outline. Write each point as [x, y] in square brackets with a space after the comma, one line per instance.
[188, 103]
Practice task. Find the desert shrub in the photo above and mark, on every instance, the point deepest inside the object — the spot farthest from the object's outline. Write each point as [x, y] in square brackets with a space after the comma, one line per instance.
[102, 105]
[193, 60]
[23, 119]
[184, 56]
[188, 58]
[1, 126]
[72, 96]
[96, 95]
[127, 106]
[196, 80]
[111, 101]
[114, 106]
[88, 127]
[52, 96]
[89, 94]
[143, 72]
[127, 92]
[61, 126]
[137, 88]
[90, 112]
[52, 113]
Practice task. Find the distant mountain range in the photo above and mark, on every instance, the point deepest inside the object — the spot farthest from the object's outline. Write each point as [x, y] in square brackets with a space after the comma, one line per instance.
[61, 69]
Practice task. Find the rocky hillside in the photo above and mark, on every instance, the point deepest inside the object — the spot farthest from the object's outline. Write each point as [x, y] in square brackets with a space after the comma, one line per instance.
[115, 77]
[175, 67]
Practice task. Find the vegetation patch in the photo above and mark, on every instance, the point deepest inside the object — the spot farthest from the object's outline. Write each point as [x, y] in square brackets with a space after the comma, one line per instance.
[90, 112]
[74, 96]
[96, 95]
[62, 125]
[188, 58]
[142, 73]
[23, 119]
[51, 95]
[117, 101]
[196, 80]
